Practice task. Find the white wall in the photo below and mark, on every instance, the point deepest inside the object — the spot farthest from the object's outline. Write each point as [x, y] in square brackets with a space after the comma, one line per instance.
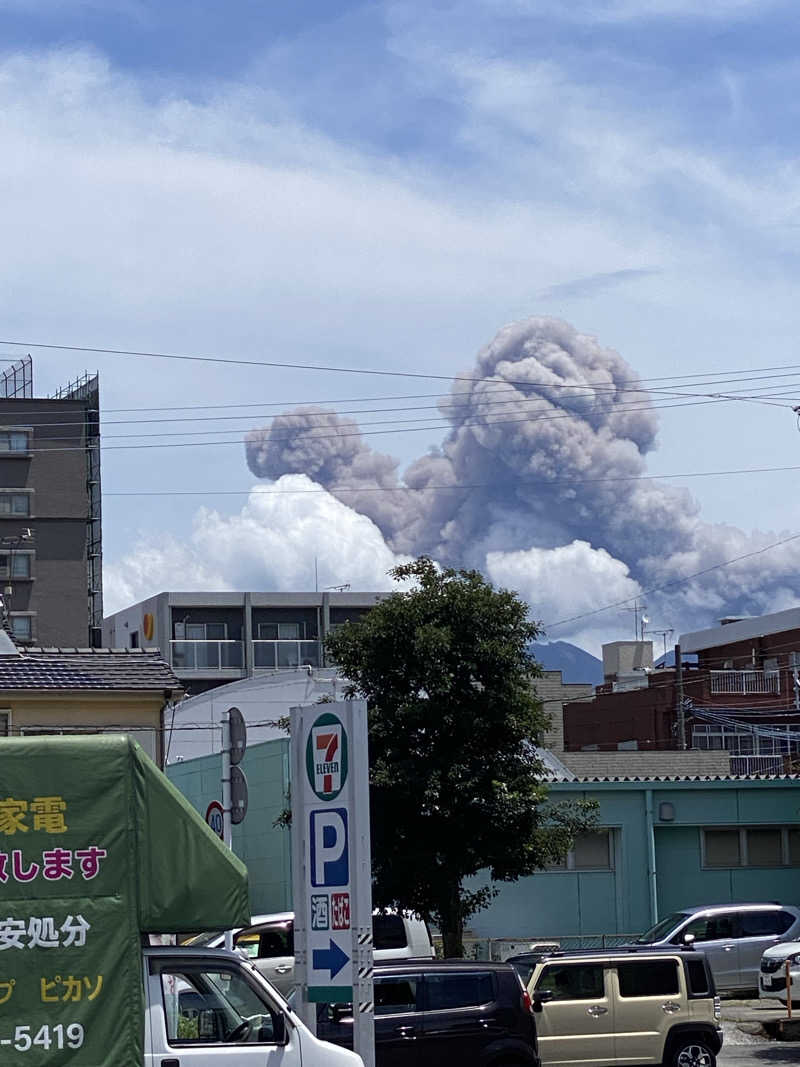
[194, 726]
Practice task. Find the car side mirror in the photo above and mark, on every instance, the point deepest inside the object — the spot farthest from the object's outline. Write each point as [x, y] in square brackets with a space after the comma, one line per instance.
[688, 940]
[278, 1028]
[206, 1025]
[541, 997]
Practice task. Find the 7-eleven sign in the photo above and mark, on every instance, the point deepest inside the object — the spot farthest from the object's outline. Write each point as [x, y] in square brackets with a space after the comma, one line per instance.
[326, 757]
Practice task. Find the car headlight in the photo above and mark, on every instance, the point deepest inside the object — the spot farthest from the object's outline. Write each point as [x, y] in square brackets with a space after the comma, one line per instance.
[795, 960]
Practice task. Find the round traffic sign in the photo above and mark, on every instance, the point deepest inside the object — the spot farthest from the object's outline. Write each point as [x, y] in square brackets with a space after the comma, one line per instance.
[214, 818]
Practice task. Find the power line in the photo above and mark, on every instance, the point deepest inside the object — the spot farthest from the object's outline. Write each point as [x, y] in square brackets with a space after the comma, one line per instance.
[327, 368]
[479, 407]
[522, 483]
[673, 582]
[397, 427]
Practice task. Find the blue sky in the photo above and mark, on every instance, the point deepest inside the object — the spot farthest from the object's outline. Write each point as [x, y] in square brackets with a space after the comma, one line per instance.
[387, 184]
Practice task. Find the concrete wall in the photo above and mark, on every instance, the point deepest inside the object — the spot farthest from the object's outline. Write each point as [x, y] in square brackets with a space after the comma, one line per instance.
[553, 692]
[553, 903]
[265, 849]
[136, 714]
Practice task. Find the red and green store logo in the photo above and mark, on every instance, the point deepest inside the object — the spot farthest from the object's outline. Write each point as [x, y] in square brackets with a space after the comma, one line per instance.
[326, 756]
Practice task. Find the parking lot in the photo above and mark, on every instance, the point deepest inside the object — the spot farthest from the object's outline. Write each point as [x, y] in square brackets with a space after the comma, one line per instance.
[758, 1053]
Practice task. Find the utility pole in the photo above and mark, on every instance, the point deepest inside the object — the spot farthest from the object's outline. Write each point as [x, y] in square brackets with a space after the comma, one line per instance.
[227, 826]
[680, 711]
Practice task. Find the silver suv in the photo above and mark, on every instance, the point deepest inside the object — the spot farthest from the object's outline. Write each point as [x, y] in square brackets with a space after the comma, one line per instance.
[732, 936]
[605, 1009]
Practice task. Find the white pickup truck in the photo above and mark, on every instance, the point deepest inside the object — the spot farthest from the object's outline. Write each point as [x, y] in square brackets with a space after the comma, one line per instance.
[100, 856]
[205, 1007]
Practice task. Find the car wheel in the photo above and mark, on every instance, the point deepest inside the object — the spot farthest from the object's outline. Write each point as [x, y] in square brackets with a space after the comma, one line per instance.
[692, 1053]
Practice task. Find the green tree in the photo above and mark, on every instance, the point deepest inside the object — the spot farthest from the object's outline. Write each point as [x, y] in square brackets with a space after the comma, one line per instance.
[455, 783]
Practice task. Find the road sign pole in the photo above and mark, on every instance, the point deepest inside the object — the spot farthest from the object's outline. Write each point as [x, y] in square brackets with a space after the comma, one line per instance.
[331, 864]
[227, 835]
[299, 728]
[363, 995]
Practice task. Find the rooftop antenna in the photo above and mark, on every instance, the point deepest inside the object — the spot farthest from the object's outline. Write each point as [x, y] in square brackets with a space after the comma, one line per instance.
[660, 633]
[639, 607]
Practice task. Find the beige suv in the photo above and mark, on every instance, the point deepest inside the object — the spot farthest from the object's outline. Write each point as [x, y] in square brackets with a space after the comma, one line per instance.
[626, 1007]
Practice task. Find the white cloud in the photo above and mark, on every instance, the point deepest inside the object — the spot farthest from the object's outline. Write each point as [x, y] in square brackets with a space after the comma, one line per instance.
[574, 579]
[270, 545]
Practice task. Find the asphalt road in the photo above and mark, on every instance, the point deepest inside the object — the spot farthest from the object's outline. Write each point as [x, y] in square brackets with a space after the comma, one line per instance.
[759, 1054]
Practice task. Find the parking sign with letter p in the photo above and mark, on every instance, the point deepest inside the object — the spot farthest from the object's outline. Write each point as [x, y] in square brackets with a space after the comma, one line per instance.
[330, 864]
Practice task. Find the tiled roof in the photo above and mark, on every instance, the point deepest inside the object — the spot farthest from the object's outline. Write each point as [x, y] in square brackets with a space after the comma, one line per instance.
[87, 669]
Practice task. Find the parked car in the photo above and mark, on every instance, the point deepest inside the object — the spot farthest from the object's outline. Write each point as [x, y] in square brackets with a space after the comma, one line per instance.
[626, 1006]
[733, 937]
[772, 976]
[433, 1012]
[269, 942]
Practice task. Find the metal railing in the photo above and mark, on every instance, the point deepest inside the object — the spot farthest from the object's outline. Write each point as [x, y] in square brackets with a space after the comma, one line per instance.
[206, 655]
[757, 764]
[745, 682]
[283, 655]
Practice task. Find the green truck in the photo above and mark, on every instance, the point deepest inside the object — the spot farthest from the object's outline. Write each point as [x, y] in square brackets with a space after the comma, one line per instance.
[99, 853]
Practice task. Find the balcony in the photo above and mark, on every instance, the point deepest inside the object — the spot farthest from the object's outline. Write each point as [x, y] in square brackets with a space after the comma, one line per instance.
[283, 655]
[757, 764]
[206, 655]
[745, 682]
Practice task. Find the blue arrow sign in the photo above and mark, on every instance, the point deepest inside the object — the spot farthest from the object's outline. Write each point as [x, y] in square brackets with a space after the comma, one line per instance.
[329, 959]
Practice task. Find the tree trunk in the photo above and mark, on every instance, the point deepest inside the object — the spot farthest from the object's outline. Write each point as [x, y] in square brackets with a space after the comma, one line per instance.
[451, 922]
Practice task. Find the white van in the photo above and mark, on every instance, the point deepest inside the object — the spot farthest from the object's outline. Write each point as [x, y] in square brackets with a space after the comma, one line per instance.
[203, 1005]
[269, 942]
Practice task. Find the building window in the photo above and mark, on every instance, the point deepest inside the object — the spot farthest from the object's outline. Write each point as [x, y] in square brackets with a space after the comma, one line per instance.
[12, 503]
[15, 565]
[772, 739]
[590, 852]
[14, 440]
[762, 846]
[722, 848]
[21, 626]
[201, 631]
[5, 723]
[281, 631]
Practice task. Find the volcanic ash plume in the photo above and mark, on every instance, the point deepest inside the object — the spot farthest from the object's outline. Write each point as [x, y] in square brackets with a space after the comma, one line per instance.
[550, 431]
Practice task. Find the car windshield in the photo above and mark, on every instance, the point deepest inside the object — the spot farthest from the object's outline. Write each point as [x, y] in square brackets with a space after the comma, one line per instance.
[200, 940]
[661, 929]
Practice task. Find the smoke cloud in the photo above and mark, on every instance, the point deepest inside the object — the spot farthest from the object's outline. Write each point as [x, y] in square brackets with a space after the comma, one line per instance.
[543, 429]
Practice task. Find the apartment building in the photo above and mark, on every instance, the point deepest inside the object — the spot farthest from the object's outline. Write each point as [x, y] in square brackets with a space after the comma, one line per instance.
[741, 699]
[210, 639]
[50, 528]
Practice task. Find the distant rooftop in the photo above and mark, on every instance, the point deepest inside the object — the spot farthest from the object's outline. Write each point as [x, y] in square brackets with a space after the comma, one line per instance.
[86, 669]
[729, 632]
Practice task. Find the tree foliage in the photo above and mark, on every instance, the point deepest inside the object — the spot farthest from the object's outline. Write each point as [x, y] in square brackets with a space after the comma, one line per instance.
[455, 783]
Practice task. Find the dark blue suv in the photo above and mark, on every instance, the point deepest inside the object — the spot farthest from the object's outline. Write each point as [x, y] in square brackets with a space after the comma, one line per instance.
[434, 1012]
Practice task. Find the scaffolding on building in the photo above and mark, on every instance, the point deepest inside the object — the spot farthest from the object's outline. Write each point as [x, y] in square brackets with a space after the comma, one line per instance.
[17, 380]
[87, 389]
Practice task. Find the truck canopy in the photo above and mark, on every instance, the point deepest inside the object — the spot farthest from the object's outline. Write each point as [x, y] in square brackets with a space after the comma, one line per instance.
[97, 847]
